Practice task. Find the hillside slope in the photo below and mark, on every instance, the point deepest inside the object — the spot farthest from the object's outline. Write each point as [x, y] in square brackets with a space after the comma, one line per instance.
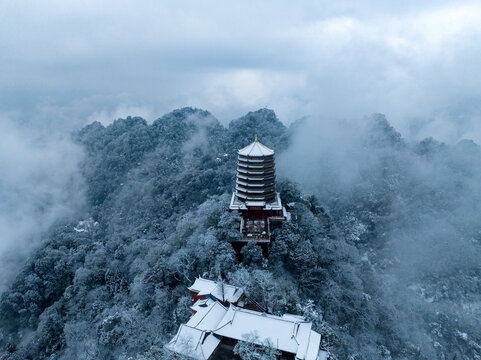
[112, 285]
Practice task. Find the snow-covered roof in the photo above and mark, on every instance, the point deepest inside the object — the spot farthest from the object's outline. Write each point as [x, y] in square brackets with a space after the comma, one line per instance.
[256, 149]
[236, 204]
[322, 355]
[255, 203]
[193, 342]
[284, 333]
[202, 303]
[207, 318]
[220, 291]
[294, 317]
[203, 332]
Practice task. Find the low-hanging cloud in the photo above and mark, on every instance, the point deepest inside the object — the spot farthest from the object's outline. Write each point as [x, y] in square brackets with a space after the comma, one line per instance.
[40, 184]
[414, 208]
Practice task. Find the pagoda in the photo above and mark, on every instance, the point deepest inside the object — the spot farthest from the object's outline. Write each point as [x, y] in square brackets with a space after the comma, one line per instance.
[255, 196]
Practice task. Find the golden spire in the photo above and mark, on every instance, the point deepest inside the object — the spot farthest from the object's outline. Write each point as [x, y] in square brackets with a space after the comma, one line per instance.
[255, 138]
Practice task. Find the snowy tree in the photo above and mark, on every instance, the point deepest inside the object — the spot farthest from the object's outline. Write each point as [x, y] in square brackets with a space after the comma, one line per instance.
[255, 349]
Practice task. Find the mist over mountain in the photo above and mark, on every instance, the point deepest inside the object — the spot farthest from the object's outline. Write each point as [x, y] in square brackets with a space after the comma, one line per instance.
[39, 185]
[381, 253]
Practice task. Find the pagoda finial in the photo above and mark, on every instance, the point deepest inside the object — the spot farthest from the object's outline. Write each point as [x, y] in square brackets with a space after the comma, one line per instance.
[255, 138]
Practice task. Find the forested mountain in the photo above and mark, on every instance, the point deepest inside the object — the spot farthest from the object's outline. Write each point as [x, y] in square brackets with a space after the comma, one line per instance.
[385, 262]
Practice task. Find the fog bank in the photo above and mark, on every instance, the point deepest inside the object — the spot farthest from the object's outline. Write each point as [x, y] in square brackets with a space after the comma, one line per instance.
[40, 184]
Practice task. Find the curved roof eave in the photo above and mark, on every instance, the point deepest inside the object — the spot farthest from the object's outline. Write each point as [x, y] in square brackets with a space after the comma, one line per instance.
[256, 149]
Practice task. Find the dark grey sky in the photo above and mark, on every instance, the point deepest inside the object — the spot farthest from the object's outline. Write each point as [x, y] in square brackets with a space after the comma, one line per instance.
[73, 62]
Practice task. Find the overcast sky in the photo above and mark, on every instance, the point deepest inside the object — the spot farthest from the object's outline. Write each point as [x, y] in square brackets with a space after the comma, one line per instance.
[68, 63]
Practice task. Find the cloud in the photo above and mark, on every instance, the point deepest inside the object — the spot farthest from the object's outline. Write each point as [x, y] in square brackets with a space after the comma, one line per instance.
[341, 60]
[40, 184]
[421, 200]
[107, 116]
[405, 66]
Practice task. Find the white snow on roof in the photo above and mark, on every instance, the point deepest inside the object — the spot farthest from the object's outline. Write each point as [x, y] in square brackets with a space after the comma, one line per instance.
[203, 286]
[193, 342]
[284, 333]
[222, 292]
[236, 204]
[312, 349]
[202, 303]
[309, 349]
[256, 149]
[293, 317]
[255, 203]
[203, 332]
[207, 318]
[322, 355]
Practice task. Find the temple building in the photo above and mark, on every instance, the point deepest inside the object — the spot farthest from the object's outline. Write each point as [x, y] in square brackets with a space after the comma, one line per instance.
[215, 328]
[204, 292]
[203, 289]
[255, 196]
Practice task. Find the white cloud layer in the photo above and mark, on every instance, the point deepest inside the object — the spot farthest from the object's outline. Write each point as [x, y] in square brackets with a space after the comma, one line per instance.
[417, 63]
[40, 184]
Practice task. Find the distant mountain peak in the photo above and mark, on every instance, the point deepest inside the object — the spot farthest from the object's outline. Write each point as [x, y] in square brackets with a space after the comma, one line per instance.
[382, 133]
[264, 114]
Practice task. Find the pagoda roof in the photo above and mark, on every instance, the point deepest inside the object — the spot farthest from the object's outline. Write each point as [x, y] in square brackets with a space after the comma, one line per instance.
[256, 149]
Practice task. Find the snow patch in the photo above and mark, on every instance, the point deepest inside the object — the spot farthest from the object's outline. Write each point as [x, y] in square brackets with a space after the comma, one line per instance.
[85, 225]
[462, 335]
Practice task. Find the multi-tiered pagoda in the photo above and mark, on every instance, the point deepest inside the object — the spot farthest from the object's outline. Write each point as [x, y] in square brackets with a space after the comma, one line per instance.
[255, 196]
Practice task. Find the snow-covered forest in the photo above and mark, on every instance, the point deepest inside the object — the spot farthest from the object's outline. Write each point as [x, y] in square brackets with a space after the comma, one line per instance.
[382, 252]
